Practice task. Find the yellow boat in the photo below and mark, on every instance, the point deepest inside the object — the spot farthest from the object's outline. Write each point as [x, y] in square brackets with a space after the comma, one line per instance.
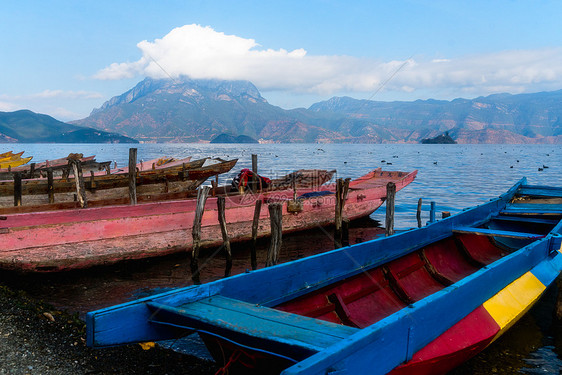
[5, 154]
[11, 157]
[15, 163]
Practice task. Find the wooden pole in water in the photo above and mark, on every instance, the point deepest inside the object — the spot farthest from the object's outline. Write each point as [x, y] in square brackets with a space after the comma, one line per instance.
[79, 182]
[390, 193]
[222, 222]
[445, 214]
[133, 176]
[276, 219]
[342, 188]
[338, 211]
[418, 213]
[50, 187]
[255, 222]
[31, 170]
[17, 189]
[202, 194]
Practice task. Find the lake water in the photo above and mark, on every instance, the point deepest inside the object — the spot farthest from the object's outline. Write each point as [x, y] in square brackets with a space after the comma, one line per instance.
[453, 176]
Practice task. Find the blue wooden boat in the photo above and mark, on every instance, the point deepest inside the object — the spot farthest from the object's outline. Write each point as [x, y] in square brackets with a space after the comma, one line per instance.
[420, 302]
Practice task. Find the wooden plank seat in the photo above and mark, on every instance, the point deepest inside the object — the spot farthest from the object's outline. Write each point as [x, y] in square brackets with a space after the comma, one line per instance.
[540, 191]
[250, 324]
[532, 209]
[530, 220]
[497, 233]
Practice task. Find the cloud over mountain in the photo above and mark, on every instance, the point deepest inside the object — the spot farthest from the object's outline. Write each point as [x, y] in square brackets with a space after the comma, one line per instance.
[203, 53]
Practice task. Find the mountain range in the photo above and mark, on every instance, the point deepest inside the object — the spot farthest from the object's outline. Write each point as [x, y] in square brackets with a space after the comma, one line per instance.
[29, 127]
[187, 110]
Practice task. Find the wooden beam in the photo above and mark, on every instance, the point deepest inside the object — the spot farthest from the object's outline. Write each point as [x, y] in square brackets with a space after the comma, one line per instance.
[50, 187]
[276, 219]
[224, 232]
[255, 223]
[390, 194]
[202, 195]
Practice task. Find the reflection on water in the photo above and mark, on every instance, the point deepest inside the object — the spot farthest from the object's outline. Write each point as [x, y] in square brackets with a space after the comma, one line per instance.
[454, 176]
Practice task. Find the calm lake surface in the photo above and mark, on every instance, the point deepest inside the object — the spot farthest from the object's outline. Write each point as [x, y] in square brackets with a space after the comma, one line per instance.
[453, 176]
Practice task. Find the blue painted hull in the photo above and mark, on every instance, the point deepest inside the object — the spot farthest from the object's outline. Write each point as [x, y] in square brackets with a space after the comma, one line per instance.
[238, 311]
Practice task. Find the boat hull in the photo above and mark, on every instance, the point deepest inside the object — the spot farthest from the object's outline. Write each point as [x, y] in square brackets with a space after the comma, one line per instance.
[70, 239]
[422, 301]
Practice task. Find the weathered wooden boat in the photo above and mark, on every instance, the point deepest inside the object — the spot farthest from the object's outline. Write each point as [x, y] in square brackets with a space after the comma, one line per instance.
[419, 302]
[102, 186]
[78, 238]
[59, 167]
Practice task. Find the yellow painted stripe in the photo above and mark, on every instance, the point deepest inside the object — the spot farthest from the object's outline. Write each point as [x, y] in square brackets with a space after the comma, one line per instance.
[512, 302]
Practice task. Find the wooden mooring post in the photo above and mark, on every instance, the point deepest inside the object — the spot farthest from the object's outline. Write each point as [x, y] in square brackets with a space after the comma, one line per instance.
[50, 187]
[76, 166]
[276, 219]
[390, 194]
[226, 242]
[418, 213]
[133, 176]
[342, 188]
[17, 189]
[255, 223]
[256, 181]
[202, 194]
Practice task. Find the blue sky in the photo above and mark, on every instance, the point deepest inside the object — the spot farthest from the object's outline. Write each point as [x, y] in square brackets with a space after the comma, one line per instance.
[64, 58]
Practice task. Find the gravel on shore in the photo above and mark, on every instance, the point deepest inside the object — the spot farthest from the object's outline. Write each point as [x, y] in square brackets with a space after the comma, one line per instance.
[35, 338]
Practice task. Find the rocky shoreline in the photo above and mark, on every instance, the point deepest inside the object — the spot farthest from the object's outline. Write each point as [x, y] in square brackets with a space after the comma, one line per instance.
[35, 338]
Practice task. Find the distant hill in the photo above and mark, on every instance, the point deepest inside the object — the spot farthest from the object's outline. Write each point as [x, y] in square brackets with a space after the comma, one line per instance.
[227, 138]
[197, 110]
[443, 139]
[29, 127]
[186, 110]
[502, 118]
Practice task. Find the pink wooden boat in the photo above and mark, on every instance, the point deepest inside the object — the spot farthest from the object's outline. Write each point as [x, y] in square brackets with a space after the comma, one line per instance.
[80, 238]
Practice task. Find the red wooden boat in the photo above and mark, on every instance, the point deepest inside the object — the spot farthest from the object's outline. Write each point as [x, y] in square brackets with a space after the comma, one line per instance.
[79, 238]
[420, 302]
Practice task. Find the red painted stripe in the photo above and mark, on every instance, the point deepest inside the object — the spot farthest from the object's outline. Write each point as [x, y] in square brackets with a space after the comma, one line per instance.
[456, 345]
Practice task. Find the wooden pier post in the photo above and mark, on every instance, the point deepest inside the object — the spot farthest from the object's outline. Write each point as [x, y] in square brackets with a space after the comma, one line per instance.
[226, 241]
[390, 194]
[255, 223]
[342, 188]
[17, 189]
[50, 187]
[418, 213]
[79, 182]
[31, 170]
[202, 194]
[445, 214]
[276, 219]
[133, 176]
[255, 184]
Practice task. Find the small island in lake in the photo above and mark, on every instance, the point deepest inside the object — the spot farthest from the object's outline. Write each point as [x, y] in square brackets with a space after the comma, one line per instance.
[440, 139]
[227, 138]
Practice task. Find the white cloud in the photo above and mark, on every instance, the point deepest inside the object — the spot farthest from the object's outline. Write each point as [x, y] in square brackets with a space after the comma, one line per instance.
[49, 94]
[201, 52]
